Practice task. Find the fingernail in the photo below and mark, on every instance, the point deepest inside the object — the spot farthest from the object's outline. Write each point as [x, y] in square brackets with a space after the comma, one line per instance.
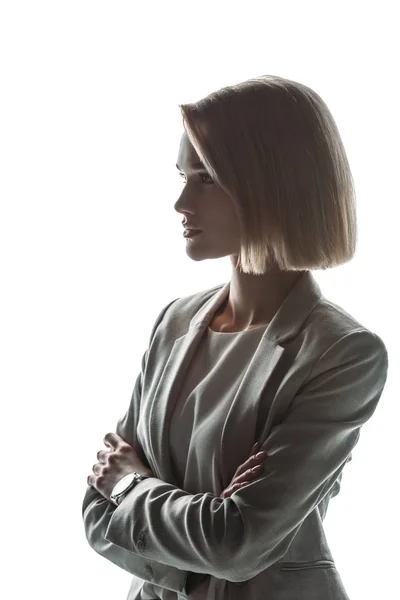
[262, 454]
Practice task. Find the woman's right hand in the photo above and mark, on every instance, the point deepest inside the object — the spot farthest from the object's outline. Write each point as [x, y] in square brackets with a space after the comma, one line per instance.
[244, 473]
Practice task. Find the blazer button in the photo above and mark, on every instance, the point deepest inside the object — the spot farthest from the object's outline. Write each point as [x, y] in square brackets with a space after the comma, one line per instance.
[149, 572]
[140, 544]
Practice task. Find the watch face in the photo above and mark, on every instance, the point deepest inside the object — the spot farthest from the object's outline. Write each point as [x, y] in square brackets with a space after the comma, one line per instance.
[123, 484]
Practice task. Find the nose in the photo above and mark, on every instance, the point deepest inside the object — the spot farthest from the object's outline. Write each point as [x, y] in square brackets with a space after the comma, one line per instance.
[183, 210]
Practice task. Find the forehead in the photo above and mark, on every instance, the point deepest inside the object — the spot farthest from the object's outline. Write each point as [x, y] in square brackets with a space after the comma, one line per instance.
[187, 155]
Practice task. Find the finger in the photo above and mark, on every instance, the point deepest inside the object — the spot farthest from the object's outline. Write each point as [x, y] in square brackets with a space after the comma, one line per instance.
[255, 460]
[237, 486]
[226, 493]
[249, 463]
[229, 491]
[249, 474]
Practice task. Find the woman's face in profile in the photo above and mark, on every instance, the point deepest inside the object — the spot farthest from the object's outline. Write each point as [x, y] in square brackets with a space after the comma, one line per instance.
[205, 205]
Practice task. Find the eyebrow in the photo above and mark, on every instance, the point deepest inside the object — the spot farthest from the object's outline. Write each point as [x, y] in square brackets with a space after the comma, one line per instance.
[198, 165]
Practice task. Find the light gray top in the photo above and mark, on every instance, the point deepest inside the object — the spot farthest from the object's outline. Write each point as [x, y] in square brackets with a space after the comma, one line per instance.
[204, 401]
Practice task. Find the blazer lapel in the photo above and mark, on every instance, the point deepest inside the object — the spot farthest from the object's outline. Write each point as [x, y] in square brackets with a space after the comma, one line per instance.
[285, 324]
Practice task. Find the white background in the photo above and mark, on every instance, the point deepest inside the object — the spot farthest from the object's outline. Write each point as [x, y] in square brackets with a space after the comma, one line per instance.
[92, 248]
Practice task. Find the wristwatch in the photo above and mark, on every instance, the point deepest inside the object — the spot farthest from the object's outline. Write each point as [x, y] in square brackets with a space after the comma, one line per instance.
[124, 485]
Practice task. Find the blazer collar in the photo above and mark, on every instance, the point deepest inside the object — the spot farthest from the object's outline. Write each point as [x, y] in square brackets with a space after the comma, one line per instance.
[296, 307]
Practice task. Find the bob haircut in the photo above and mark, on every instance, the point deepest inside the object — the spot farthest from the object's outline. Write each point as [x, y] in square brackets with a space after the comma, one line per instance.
[273, 146]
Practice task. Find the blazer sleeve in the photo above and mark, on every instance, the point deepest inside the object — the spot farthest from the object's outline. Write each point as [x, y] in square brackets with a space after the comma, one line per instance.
[97, 510]
[238, 537]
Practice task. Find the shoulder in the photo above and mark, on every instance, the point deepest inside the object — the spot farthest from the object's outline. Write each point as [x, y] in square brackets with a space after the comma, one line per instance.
[333, 322]
[334, 333]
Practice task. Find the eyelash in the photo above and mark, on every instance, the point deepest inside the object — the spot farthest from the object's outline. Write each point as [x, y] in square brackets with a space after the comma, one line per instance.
[201, 175]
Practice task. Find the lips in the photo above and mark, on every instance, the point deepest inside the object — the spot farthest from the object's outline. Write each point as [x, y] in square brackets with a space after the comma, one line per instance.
[190, 233]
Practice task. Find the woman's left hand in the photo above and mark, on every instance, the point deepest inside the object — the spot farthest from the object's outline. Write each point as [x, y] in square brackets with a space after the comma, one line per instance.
[119, 460]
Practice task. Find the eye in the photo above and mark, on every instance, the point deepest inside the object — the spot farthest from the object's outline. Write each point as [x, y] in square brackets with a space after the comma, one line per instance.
[210, 182]
[206, 175]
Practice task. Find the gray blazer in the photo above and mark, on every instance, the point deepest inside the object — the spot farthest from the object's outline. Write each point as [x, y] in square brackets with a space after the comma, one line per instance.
[314, 380]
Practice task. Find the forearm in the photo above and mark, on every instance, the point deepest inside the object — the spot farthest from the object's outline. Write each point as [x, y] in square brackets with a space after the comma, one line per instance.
[97, 512]
[191, 532]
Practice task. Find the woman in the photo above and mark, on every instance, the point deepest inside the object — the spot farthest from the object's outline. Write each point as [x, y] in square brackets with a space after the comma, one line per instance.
[264, 358]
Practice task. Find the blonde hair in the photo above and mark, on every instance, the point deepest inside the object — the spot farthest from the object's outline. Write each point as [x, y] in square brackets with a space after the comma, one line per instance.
[273, 146]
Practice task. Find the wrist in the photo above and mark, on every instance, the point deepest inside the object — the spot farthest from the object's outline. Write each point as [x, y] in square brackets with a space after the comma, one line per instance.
[145, 472]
